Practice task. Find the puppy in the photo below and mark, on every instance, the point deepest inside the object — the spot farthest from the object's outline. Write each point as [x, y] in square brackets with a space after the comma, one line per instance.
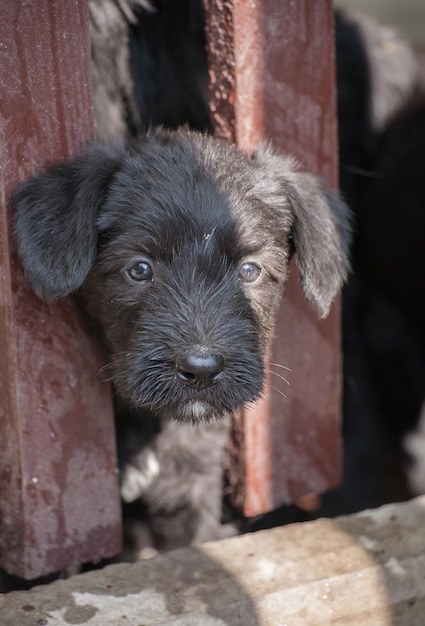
[179, 247]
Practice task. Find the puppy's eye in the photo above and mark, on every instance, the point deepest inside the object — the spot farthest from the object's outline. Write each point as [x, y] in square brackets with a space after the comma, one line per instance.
[139, 271]
[249, 272]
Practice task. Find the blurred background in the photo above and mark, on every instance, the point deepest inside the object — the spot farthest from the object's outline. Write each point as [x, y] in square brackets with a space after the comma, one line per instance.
[408, 16]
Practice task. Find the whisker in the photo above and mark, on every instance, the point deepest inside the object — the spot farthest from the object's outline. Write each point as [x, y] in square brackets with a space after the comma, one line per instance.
[111, 364]
[279, 376]
[126, 352]
[279, 391]
[104, 368]
[282, 366]
[109, 379]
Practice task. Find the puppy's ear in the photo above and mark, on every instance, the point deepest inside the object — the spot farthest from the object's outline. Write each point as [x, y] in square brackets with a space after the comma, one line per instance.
[55, 221]
[320, 229]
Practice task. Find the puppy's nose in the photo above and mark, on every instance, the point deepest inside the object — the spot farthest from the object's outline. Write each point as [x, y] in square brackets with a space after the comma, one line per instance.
[199, 368]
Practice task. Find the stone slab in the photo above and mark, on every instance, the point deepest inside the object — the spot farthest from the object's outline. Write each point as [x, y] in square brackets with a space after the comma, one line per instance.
[367, 569]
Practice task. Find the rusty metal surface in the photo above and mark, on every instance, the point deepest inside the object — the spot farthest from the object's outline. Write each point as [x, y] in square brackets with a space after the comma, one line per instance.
[283, 89]
[285, 68]
[221, 66]
[59, 501]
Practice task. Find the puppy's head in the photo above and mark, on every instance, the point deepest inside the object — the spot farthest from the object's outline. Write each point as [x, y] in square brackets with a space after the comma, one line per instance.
[180, 247]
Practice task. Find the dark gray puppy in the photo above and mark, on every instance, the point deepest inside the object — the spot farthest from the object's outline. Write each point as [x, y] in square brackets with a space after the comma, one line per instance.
[179, 246]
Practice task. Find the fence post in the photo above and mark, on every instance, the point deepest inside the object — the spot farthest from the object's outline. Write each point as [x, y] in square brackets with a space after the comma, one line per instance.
[272, 76]
[59, 498]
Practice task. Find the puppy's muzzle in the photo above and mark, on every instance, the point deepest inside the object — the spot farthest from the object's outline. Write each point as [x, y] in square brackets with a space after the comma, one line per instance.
[199, 368]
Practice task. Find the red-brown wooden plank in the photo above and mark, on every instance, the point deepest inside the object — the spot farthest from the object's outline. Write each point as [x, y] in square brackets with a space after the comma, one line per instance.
[272, 77]
[59, 500]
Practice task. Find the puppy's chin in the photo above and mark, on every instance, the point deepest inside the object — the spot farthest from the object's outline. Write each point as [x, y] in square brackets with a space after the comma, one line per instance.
[195, 412]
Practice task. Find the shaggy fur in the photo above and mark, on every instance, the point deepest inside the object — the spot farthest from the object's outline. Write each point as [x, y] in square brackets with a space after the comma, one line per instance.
[179, 247]
[377, 73]
[382, 149]
[149, 66]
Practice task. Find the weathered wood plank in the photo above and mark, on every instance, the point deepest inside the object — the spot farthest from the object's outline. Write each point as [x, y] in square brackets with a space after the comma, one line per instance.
[59, 500]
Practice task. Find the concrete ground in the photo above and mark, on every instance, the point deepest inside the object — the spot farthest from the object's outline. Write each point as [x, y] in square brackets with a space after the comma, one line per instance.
[366, 569]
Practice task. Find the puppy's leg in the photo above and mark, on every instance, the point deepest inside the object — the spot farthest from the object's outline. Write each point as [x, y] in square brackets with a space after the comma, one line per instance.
[178, 479]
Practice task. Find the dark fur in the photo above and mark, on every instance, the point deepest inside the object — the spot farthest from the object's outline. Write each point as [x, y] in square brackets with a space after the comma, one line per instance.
[377, 74]
[382, 150]
[195, 209]
[149, 66]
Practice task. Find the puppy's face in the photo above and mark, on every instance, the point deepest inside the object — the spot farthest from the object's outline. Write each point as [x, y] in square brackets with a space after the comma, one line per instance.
[180, 247]
[185, 285]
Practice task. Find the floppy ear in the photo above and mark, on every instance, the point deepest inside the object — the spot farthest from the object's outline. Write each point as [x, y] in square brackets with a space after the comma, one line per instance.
[55, 221]
[320, 229]
[321, 232]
